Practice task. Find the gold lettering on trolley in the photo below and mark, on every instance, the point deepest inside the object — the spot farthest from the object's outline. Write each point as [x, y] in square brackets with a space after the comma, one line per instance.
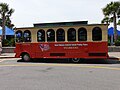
[70, 47]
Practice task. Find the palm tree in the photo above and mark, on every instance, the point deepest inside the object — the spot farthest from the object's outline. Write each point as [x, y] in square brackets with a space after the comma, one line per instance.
[112, 10]
[107, 20]
[9, 23]
[5, 12]
[119, 22]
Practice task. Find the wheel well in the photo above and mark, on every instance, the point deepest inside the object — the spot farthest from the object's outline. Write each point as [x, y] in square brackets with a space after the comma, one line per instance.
[24, 53]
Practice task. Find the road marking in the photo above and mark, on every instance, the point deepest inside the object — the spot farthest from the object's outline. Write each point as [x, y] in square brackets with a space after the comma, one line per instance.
[61, 65]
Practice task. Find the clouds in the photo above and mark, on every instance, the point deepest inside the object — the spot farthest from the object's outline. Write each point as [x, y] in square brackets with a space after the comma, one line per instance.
[28, 12]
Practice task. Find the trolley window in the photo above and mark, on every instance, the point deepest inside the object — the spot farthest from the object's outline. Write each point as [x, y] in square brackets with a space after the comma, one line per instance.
[41, 36]
[71, 34]
[50, 35]
[60, 35]
[19, 36]
[27, 36]
[82, 34]
[96, 34]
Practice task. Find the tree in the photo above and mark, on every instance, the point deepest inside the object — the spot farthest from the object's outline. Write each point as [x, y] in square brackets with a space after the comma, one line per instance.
[112, 10]
[107, 20]
[119, 22]
[9, 23]
[5, 13]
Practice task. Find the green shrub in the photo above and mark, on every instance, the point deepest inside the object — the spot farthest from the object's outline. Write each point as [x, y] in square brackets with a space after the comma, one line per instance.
[117, 43]
[108, 42]
[12, 42]
[5, 42]
[8, 43]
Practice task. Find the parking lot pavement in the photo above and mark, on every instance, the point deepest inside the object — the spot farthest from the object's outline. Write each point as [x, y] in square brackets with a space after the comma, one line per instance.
[58, 76]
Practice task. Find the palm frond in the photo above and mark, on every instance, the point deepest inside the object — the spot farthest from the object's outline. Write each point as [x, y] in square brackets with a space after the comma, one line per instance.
[11, 11]
[4, 7]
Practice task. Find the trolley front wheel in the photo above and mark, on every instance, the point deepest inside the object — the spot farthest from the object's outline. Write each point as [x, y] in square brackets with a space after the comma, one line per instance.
[26, 57]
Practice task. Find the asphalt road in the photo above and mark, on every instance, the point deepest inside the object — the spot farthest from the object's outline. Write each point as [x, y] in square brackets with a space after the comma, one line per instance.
[59, 75]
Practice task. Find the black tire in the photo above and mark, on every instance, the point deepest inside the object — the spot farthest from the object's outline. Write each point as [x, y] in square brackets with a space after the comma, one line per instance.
[26, 57]
[75, 60]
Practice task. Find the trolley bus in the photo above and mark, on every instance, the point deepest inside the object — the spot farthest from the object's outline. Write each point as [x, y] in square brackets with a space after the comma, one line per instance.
[74, 40]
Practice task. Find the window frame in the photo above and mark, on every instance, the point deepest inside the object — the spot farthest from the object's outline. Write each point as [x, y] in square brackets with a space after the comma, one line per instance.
[20, 39]
[84, 34]
[60, 36]
[52, 36]
[71, 37]
[95, 36]
[42, 36]
[27, 31]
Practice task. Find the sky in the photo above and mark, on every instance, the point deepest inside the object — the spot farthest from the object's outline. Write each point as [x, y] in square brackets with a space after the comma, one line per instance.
[28, 12]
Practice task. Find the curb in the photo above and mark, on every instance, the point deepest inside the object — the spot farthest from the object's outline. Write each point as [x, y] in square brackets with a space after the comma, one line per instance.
[6, 57]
